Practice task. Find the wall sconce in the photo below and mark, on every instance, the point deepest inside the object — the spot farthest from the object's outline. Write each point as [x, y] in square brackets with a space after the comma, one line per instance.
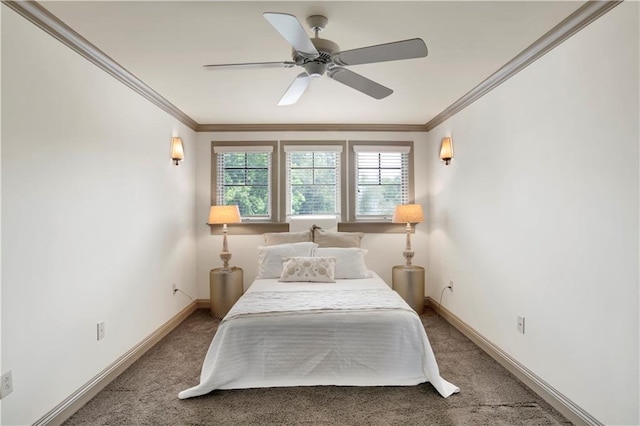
[408, 213]
[177, 151]
[221, 215]
[446, 150]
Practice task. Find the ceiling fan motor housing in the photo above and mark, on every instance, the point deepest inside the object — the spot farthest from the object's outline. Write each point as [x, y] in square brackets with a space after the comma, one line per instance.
[316, 67]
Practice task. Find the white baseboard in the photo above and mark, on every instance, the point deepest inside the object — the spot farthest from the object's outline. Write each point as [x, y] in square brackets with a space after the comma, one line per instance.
[557, 400]
[70, 405]
[203, 303]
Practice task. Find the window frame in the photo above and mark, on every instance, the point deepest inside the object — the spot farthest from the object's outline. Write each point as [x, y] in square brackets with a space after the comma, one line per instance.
[348, 181]
[283, 173]
[273, 198]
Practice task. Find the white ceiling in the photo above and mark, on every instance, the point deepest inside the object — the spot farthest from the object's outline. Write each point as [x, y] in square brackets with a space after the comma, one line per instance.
[165, 45]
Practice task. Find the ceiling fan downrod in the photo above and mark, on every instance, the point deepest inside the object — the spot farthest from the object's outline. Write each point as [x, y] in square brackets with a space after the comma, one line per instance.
[317, 23]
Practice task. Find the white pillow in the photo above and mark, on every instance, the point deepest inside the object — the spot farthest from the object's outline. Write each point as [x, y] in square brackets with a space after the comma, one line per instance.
[308, 269]
[270, 257]
[349, 261]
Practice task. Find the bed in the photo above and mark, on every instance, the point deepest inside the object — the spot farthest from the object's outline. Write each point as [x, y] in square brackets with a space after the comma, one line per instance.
[352, 332]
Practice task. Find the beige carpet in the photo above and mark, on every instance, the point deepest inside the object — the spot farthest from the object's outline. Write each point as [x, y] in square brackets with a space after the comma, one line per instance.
[147, 393]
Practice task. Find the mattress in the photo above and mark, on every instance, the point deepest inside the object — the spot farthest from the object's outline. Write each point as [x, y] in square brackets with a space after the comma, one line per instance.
[349, 333]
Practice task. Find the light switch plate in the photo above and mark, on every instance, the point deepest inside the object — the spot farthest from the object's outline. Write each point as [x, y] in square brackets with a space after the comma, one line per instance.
[6, 384]
[100, 327]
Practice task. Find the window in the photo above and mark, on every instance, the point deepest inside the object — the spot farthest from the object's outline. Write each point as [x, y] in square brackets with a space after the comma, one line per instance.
[381, 180]
[313, 179]
[243, 177]
[361, 182]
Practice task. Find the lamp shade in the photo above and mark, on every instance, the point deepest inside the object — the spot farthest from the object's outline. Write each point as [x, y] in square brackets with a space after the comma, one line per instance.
[221, 215]
[446, 150]
[408, 213]
[177, 151]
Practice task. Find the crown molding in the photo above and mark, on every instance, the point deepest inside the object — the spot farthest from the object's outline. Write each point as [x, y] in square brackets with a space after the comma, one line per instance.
[44, 19]
[320, 127]
[582, 17]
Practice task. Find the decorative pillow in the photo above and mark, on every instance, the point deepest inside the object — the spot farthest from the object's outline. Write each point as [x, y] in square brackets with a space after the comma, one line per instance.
[349, 261]
[337, 239]
[275, 238]
[310, 269]
[270, 257]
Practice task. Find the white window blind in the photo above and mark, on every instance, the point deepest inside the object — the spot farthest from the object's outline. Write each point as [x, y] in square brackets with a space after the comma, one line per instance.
[313, 179]
[235, 148]
[244, 178]
[382, 180]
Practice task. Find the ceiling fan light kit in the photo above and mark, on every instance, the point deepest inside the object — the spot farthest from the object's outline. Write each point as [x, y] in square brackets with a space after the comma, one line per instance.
[318, 56]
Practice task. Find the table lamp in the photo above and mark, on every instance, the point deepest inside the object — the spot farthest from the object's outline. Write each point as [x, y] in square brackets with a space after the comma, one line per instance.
[222, 215]
[408, 213]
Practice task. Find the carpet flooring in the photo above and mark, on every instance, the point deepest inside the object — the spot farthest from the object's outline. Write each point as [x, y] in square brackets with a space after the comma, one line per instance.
[147, 392]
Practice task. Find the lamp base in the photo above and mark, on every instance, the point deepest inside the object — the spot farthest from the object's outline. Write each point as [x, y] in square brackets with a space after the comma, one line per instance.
[226, 257]
[408, 255]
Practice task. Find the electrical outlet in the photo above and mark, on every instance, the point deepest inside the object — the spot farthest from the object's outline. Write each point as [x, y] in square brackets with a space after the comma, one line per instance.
[521, 325]
[451, 285]
[6, 384]
[100, 327]
[174, 287]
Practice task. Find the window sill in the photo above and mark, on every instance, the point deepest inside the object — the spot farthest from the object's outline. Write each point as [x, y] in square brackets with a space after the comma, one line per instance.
[256, 228]
[374, 227]
[251, 228]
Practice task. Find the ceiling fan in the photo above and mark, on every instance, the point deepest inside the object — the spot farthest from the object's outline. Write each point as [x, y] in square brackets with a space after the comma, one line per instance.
[319, 56]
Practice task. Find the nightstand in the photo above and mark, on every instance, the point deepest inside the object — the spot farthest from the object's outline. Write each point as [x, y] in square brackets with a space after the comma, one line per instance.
[409, 283]
[225, 288]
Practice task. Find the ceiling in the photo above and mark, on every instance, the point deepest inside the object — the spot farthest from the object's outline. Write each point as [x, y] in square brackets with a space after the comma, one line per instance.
[166, 43]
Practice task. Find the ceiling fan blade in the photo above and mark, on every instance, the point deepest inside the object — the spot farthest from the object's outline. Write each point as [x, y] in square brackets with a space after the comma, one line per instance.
[295, 90]
[360, 83]
[252, 65]
[395, 51]
[291, 29]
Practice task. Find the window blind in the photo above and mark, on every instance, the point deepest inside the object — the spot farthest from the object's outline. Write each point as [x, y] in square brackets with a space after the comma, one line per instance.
[237, 148]
[382, 180]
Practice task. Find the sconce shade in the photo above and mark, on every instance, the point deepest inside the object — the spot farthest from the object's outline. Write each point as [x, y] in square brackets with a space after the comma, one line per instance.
[446, 150]
[221, 215]
[408, 213]
[177, 152]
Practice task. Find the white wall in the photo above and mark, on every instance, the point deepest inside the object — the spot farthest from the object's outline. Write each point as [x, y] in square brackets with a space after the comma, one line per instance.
[97, 222]
[537, 216]
[385, 250]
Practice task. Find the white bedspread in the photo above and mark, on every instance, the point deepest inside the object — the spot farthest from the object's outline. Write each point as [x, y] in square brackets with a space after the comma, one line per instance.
[351, 333]
[295, 302]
